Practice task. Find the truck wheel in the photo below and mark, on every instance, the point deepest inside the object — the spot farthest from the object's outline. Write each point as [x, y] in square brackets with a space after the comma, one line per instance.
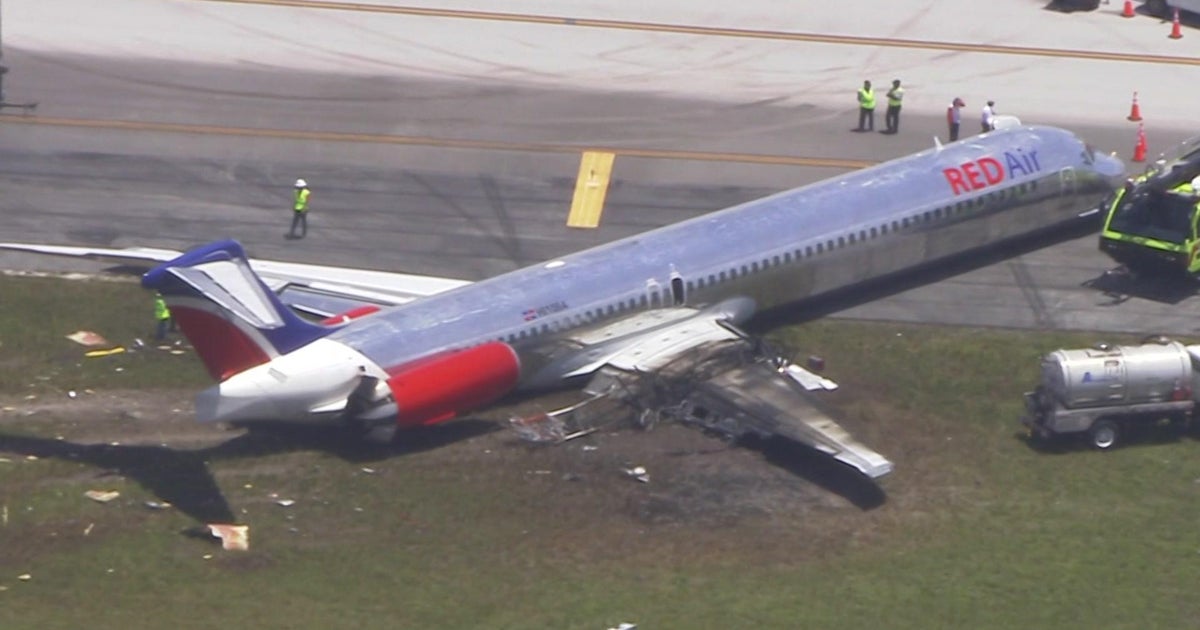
[1104, 434]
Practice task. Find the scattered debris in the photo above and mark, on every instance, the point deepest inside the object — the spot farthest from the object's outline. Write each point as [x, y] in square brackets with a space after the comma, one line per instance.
[25, 577]
[624, 625]
[88, 338]
[102, 496]
[157, 505]
[233, 537]
[590, 447]
[31, 458]
[4, 515]
[71, 394]
[369, 471]
[88, 530]
[285, 502]
[639, 473]
[91, 354]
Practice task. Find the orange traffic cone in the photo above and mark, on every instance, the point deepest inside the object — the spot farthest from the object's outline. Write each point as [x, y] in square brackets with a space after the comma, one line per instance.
[1139, 150]
[1128, 10]
[1135, 110]
[1175, 32]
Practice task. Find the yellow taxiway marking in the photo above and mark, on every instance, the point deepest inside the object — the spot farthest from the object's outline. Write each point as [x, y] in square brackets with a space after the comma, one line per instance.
[431, 141]
[718, 31]
[590, 188]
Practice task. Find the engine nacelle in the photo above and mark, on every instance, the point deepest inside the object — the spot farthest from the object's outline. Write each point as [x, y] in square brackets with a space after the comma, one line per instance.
[438, 388]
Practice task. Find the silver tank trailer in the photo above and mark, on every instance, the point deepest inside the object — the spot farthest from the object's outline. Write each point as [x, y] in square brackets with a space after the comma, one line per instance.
[1115, 375]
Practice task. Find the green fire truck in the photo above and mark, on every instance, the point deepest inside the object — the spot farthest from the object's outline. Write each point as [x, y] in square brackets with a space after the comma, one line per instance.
[1152, 224]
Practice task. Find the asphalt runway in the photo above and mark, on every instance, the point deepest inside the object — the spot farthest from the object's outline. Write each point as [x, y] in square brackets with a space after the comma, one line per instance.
[471, 178]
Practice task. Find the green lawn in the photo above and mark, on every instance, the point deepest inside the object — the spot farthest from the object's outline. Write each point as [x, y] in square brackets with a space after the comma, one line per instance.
[978, 529]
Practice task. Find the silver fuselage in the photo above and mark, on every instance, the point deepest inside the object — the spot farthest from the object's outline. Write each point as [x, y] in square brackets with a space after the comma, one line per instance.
[780, 249]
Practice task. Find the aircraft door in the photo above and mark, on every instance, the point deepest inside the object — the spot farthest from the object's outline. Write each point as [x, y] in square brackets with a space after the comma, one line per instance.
[1066, 180]
[678, 296]
[654, 292]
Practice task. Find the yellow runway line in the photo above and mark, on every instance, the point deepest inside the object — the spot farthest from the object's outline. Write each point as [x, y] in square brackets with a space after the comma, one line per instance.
[590, 188]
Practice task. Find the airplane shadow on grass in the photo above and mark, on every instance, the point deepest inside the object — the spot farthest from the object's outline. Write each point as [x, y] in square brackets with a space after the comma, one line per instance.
[182, 477]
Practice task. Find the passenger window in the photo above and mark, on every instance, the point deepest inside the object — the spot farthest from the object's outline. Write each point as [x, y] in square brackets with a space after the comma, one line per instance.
[874, 233]
[787, 257]
[841, 242]
[776, 259]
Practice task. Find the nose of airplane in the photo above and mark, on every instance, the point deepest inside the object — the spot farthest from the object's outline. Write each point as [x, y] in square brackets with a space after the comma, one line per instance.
[1109, 166]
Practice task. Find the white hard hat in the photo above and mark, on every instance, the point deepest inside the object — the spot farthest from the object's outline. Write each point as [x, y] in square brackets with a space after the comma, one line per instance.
[300, 183]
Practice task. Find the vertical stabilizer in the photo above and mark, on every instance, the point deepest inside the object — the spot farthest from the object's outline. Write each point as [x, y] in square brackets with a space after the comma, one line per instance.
[232, 319]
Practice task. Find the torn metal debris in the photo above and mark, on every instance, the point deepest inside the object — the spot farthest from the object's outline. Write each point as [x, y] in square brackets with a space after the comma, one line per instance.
[102, 496]
[733, 387]
[232, 537]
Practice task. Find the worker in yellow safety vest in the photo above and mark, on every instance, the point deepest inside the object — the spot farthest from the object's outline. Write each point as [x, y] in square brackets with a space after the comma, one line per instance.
[866, 108]
[895, 98]
[162, 317]
[300, 210]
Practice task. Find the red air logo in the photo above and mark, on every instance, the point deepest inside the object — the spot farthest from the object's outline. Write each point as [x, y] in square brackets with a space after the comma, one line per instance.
[989, 171]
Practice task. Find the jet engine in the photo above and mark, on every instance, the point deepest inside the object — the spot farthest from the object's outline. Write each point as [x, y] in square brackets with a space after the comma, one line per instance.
[438, 388]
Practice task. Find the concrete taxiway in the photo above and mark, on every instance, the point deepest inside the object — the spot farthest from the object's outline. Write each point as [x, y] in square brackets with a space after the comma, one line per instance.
[448, 144]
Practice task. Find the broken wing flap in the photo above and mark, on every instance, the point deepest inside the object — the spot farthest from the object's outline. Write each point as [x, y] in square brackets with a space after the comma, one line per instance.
[758, 398]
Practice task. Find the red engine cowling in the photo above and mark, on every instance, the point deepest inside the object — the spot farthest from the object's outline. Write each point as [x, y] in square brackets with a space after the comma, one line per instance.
[437, 388]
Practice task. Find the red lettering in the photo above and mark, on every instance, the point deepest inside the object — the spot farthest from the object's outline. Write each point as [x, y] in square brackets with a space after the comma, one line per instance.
[972, 174]
[957, 185]
[992, 171]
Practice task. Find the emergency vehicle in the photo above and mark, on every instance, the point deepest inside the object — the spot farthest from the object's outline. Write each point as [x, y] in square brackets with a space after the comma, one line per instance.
[1152, 224]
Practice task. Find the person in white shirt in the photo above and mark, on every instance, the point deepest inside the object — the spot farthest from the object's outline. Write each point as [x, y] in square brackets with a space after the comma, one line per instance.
[988, 120]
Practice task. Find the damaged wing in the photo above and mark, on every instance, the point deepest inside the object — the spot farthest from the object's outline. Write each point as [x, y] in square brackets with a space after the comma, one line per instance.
[697, 367]
[317, 290]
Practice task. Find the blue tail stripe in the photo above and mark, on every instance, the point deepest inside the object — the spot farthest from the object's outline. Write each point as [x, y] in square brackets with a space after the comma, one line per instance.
[236, 291]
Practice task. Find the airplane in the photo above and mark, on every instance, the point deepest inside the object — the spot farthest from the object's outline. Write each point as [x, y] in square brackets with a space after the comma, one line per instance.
[406, 351]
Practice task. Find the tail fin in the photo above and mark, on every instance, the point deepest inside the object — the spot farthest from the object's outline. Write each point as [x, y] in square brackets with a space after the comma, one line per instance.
[234, 321]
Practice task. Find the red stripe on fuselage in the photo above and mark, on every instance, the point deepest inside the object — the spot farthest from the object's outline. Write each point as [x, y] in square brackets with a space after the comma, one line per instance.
[224, 348]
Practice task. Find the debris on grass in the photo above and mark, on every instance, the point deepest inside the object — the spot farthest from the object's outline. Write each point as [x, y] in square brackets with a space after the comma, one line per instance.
[369, 471]
[157, 505]
[88, 530]
[232, 537]
[91, 354]
[102, 496]
[639, 473]
[88, 338]
[285, 502]
[25, 577]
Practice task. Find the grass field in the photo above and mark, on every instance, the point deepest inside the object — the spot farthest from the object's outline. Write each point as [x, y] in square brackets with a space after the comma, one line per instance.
[465, 528]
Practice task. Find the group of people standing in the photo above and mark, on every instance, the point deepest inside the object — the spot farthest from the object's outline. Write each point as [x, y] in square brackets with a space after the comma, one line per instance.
[866, 108]
[895, 99]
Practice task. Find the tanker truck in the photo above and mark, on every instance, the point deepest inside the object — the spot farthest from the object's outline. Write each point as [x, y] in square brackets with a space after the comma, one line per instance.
[1106, 391]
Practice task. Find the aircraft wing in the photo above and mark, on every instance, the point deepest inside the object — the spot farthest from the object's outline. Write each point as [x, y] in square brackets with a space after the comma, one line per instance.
[696, 367]
[317, 290]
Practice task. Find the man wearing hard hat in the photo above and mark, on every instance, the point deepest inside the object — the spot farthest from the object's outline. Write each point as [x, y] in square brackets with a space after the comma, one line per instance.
[300, 210]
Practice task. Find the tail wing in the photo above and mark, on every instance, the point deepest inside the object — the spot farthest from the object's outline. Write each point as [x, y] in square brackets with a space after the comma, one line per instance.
[232, 319]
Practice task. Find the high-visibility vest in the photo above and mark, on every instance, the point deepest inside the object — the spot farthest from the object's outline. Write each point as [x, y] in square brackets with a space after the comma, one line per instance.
[895, 96]
[866, 98]
[161, 311]
[1184, 189]
[301, 204]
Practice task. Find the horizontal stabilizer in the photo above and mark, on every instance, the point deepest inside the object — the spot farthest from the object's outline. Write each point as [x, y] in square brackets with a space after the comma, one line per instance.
[318, 290]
